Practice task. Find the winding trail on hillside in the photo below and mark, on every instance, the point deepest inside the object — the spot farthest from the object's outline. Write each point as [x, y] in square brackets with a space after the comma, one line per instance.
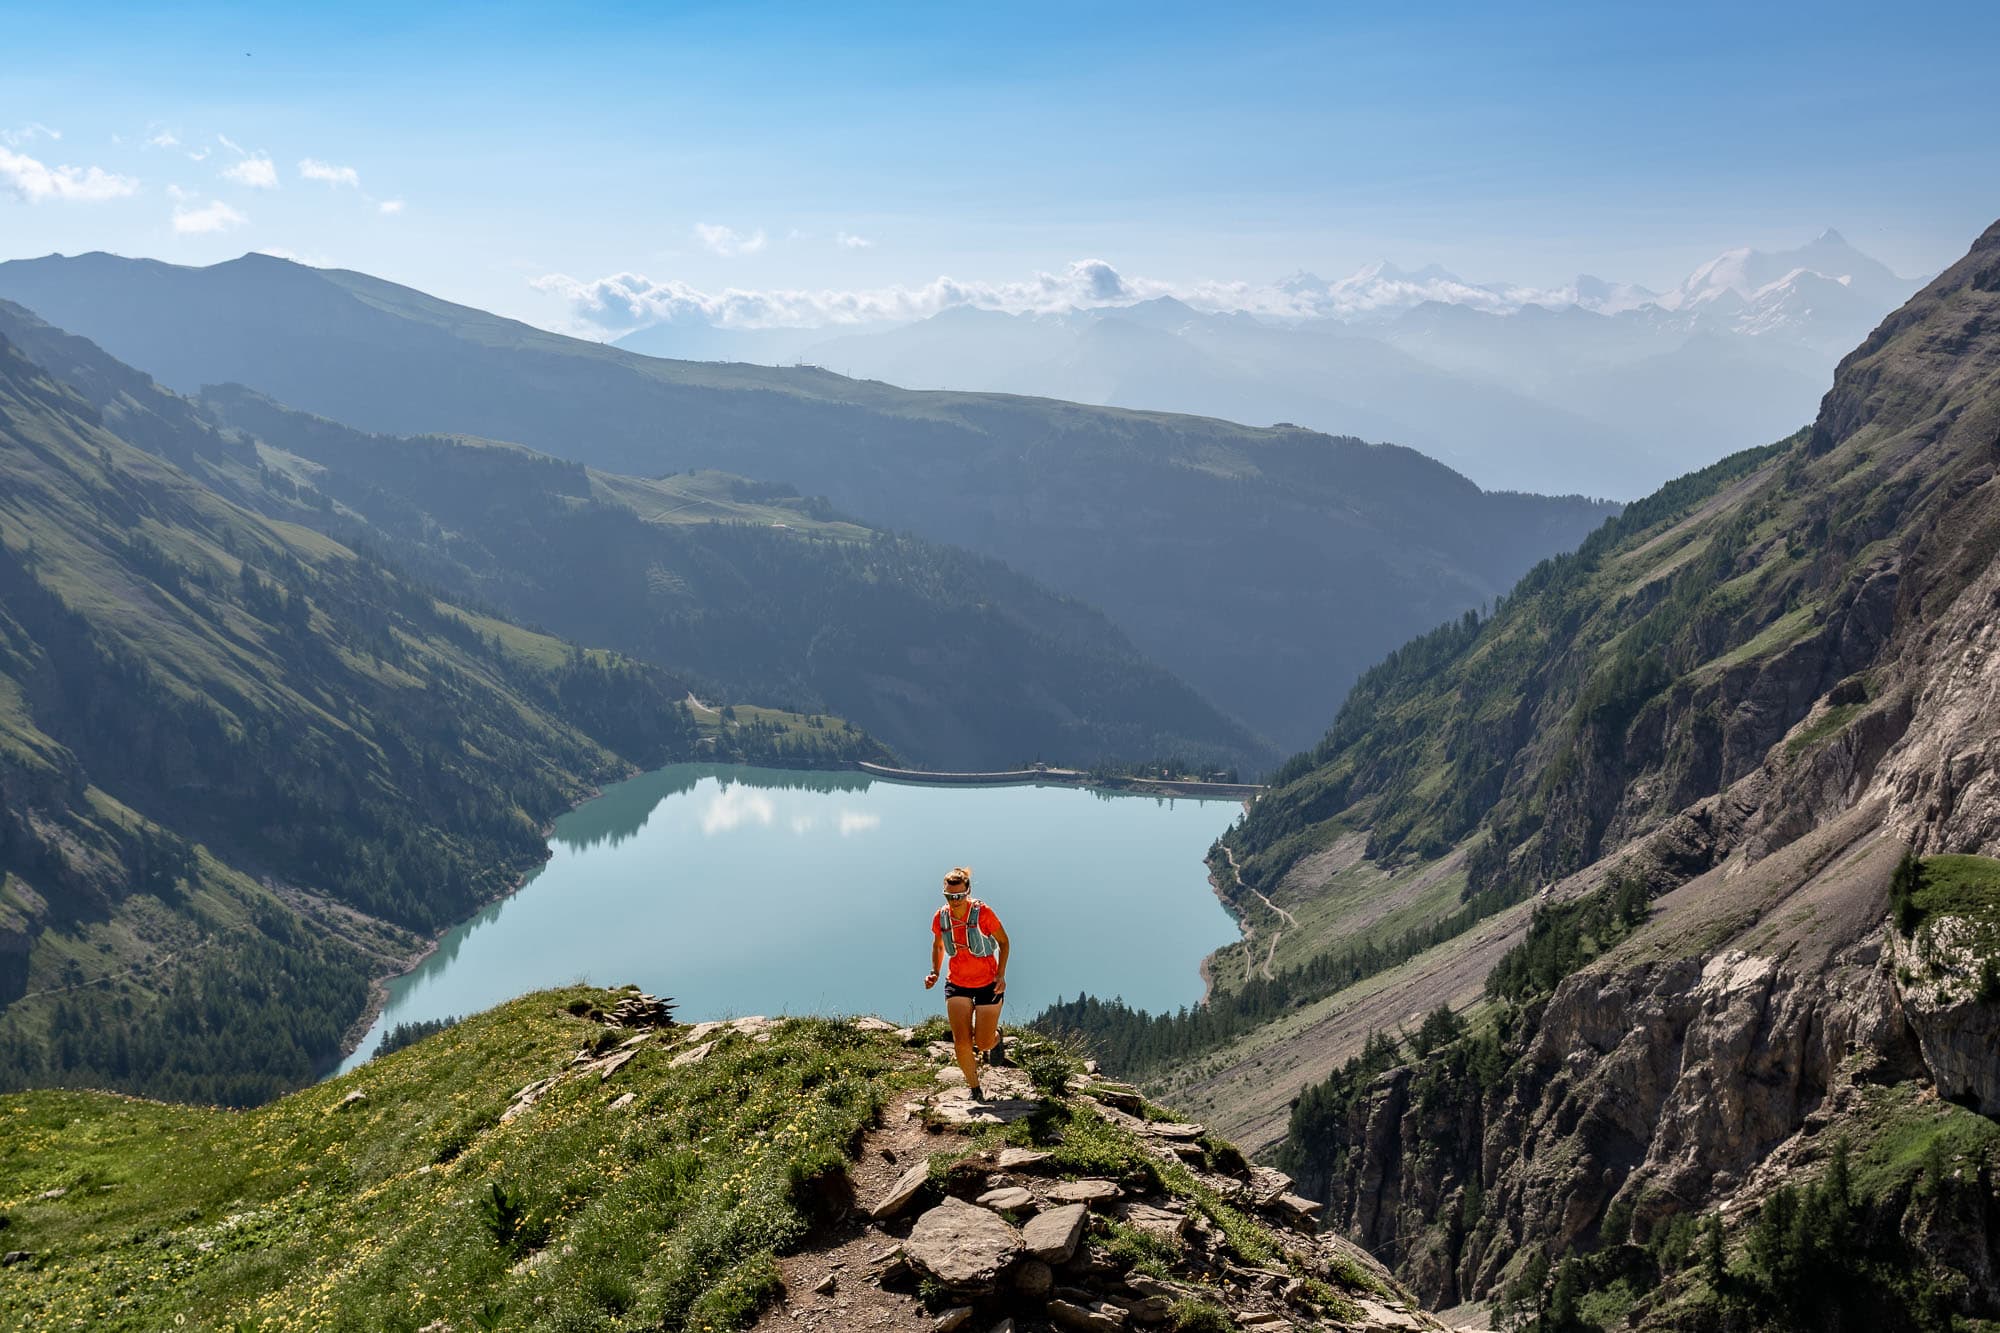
[1236, 873]
[131, 971]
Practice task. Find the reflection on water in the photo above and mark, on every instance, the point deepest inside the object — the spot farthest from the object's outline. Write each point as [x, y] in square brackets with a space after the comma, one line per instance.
[744, 890]
[622, 810]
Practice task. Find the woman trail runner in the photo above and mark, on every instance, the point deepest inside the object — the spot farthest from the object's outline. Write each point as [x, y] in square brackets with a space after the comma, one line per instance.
[970, 934]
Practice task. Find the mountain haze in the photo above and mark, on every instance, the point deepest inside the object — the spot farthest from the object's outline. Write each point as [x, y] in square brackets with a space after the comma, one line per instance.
[1602, 388]
[1160, 521]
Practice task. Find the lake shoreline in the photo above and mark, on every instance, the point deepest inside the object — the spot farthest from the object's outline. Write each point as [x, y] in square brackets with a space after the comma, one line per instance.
[1243, 926]
[378, 985]
[387, 986]
[1065, 777]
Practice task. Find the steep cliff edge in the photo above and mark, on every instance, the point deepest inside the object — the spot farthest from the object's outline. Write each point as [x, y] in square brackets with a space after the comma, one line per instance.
[1750, 699]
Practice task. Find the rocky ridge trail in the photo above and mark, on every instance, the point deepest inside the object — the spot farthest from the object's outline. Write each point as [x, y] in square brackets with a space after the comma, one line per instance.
[974, 1215]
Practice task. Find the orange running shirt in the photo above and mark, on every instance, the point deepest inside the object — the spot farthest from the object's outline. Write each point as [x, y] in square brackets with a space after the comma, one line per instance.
[963, 969]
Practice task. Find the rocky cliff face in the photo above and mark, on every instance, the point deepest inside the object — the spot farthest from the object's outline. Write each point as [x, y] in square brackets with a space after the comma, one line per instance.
[1771, 1006]
[1665, 1089]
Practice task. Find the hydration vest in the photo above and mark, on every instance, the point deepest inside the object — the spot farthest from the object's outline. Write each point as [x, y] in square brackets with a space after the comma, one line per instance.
[977, 942]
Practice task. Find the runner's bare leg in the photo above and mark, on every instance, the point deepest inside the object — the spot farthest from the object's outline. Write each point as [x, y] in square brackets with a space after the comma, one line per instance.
[959, 1007]
[986, 1026]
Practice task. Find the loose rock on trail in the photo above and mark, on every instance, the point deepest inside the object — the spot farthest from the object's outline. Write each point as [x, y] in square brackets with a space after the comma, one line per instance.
[997, 1240]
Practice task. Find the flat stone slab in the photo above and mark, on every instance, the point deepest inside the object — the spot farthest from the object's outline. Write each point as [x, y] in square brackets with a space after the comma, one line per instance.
[1154, 1221]
[612, 1064]
[1085, 1191]
[1093, 1318]
[962, 1110]
[1021, 1159]
[1174, 1129]
[1383, 1316]
[1011, 1199]
[1268, 1185]
[1117, 1094]
[694, 1055]
[963, 1246]
[899, 1195]
[1054, 1235]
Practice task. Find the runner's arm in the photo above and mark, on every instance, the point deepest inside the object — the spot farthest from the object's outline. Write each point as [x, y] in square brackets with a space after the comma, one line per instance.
[937, 959]
[1000, 973]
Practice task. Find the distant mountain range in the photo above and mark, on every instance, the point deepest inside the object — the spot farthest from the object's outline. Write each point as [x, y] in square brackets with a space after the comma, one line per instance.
[1264, 567]
[1597, 387]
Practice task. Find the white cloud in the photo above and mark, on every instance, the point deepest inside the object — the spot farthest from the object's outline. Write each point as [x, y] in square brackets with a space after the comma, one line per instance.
[28, 133]
[259, 173]
[163, 139]
[631, 300]
[312, 169]
[735, 806]
[849, 241]
[856, 821]
[727, 241]
[35, 183]
[390, 207]
[214, 216]
[229, 143]
[180, 194]
[623, 301]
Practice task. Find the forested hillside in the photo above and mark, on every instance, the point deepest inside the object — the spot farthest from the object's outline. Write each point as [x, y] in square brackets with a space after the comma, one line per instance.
[245, 765]
[1267, 567]
[949, 657]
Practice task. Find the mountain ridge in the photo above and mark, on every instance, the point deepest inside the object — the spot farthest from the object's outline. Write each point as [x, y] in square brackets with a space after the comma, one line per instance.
[1148, 516]
[745, 590]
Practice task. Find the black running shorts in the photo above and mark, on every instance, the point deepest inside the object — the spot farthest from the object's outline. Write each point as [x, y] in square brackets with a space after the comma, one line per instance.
[980, 995]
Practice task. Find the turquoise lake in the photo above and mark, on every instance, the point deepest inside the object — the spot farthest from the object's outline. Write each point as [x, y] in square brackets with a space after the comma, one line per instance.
[765, 891]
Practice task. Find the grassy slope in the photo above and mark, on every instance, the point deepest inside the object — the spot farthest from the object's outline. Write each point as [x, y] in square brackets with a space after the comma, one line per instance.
[311, 1212]
[364, 1201]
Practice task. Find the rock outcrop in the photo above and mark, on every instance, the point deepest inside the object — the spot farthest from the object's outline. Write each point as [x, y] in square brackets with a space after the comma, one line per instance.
[996, 1235]
[1760, 767]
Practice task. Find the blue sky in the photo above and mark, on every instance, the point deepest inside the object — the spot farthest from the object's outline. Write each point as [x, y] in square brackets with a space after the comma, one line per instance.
[475, 151]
